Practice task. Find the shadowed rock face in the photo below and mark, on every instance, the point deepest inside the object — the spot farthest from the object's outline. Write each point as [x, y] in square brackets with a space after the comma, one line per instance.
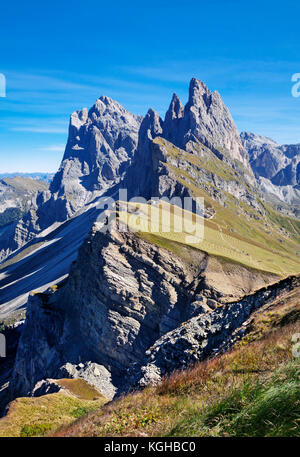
[172, 119]
[139, 178]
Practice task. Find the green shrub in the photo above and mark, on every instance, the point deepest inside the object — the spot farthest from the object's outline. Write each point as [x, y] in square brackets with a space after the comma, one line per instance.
[35, 430]
[79, 412]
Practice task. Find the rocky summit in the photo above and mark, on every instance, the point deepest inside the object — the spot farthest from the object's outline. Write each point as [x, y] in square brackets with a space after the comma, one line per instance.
[118, 308]
[204, 118]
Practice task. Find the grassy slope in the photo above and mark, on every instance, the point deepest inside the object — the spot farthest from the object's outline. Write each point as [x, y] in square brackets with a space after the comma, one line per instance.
[217, 240]
[39, 416]
[263, 239]
[253, 390]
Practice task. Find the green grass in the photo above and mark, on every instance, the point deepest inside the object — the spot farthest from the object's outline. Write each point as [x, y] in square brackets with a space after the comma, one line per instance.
[80, 388]
[261, 226]
[38, 416]
[35, 430]
[218, 241]
[257, 409]
[79, 412]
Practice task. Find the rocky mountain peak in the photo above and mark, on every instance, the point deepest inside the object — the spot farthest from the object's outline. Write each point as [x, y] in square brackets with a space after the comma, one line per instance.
[198, 91]
[139, 176]
[106, 104]
[206, 119]
[78, 118]
[176, 109]
[100, 146]
[255, 139]
[152, 125]
[172, 119]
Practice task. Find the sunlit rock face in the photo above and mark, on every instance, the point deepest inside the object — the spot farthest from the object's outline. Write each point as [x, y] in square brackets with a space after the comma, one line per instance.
[100, 147]
[204, 118]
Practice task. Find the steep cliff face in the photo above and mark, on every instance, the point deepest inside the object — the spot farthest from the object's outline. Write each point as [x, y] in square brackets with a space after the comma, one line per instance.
[139, 178]
[173, 119]
[123, 294]
[203, 126]
[184, 173]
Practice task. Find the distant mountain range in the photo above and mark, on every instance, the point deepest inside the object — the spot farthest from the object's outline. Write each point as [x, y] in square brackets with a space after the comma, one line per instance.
[47, 177]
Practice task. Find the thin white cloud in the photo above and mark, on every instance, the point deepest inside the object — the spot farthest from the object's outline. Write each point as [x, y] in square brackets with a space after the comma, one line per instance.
[54, 148]
[39, 129]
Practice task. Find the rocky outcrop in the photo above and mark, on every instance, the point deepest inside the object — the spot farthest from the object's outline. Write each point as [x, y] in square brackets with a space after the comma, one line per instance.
[123, 294]
[139, 178]
[206, 335]
[173, 119]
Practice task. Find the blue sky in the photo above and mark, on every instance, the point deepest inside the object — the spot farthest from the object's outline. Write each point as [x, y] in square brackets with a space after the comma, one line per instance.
[61, 56]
